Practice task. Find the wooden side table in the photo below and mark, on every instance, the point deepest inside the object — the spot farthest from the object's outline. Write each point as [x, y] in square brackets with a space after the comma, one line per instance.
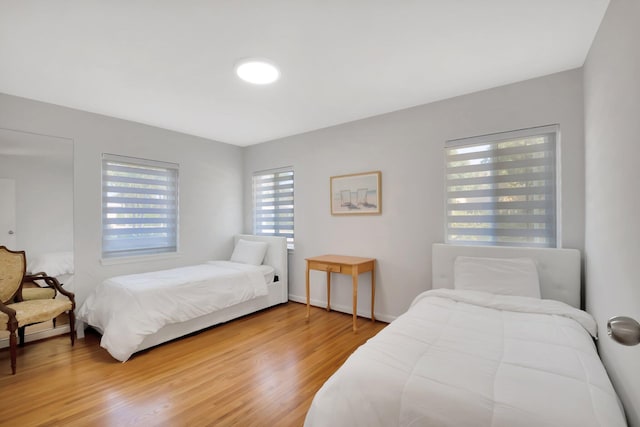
[344, 265]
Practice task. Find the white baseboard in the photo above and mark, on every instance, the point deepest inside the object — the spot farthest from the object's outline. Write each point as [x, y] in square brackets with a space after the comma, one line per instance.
[35, 336]
[341, 308]
[64, 329]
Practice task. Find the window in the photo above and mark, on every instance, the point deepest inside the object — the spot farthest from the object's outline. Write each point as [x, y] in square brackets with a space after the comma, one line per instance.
[501, 189]
[139, 206]
[273, 203]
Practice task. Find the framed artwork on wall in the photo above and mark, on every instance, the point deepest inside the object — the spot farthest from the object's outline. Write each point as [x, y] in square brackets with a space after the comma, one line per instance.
[356, 194]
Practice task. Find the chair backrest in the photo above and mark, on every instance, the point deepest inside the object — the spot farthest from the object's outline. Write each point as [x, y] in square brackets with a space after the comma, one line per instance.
[12, 269]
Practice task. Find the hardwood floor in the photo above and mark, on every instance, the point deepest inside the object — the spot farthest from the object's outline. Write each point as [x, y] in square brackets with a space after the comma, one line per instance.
[260, 370]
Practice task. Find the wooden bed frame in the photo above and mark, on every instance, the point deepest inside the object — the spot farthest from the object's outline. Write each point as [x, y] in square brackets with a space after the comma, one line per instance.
[278, 293]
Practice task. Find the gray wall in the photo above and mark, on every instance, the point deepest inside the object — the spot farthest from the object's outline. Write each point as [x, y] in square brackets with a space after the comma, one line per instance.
[612, 140]
[210, 183]
[407, 146]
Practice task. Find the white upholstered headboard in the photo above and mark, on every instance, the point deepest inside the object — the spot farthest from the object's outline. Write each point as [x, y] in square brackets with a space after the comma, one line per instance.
[276, 257]
[558, 269]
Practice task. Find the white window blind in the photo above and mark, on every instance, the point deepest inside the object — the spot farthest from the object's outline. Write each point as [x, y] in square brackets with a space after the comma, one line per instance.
[273, 203]
[139, 206]
[501, 189]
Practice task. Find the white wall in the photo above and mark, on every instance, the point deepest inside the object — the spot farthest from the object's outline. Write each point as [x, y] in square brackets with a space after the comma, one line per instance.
[44, 202]
[612, 138]
[407, 146]
[210, 183]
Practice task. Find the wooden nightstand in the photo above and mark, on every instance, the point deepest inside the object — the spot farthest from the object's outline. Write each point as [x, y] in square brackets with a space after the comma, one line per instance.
[344, 265]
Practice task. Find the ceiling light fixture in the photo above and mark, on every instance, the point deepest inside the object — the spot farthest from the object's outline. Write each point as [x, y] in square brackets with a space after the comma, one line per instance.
[257, 71]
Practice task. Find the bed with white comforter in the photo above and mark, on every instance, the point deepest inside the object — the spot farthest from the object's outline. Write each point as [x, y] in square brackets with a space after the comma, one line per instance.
[128, 308]
[138, 311]
[500, 342]
[466, 358]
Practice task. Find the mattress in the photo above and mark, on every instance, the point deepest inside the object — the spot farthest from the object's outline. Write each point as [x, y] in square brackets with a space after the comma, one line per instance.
[126, 309]
[466, 358]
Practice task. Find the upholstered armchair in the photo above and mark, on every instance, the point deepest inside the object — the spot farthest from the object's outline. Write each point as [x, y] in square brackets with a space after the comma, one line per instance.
[16, 313]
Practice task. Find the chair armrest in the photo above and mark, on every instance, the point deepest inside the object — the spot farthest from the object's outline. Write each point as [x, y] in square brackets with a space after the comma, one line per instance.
[35, 281]
[52, 282]
[31, 278]
[33, 275]
[12, 324]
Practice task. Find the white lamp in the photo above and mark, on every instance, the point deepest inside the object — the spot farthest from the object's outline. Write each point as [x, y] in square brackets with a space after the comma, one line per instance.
[257, 71]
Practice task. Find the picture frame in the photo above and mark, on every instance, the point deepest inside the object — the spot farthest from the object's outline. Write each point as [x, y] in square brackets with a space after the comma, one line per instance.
[356, 194]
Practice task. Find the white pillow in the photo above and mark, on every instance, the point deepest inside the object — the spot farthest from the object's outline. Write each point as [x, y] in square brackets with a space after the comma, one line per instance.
[505, 276]
[52, 263]
[249, 252]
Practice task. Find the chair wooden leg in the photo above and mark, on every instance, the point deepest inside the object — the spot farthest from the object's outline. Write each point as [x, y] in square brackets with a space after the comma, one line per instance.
[12, 347]
[21, 336]
[72, 326]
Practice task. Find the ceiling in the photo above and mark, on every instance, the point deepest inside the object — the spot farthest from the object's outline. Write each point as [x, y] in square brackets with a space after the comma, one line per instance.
[170, 63]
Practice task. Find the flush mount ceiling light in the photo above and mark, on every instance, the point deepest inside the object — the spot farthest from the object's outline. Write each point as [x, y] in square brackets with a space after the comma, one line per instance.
[257, 71]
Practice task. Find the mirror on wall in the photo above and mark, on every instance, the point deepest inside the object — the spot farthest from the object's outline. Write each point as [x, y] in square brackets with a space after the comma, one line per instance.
[36, 201]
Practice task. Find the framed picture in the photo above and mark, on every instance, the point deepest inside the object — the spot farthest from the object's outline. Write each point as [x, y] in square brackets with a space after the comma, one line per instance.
[356, 194]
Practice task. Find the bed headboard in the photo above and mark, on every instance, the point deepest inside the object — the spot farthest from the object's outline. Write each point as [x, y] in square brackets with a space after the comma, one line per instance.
[276, 256]
[558, 269]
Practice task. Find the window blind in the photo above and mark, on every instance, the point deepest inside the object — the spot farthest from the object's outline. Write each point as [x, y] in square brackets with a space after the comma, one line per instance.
[273, 204]
[501, 189]
[139, 206]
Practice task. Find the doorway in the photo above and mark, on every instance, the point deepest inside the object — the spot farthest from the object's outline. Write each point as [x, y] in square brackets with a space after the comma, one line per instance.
[8, 213]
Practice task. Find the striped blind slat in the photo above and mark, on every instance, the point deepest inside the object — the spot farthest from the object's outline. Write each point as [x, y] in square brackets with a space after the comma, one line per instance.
[273, 204]
[139, 206]
[501, 189]
[493, 179]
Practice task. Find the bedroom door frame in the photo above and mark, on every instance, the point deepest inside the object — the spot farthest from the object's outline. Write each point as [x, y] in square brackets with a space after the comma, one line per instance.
[8, 213]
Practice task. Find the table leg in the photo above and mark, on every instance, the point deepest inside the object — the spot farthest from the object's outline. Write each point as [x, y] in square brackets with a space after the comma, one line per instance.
[308, 297]
[355, 298]
[373, 292]
[328, 291]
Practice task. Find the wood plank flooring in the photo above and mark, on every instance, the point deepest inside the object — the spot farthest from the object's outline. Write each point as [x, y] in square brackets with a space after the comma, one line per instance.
[260, 370]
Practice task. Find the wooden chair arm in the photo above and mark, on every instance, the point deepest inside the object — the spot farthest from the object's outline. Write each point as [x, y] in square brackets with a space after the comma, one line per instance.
[10, 312]
[32, 278]
[53, 283]
[33, 275]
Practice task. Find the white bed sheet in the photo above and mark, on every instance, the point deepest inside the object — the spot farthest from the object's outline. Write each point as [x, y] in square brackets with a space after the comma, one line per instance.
[461, 358]
[126, 309]
[268, 272]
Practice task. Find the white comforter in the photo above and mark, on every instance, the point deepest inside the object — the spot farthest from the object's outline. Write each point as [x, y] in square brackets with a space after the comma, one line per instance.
[465, 358]
[128, 308]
